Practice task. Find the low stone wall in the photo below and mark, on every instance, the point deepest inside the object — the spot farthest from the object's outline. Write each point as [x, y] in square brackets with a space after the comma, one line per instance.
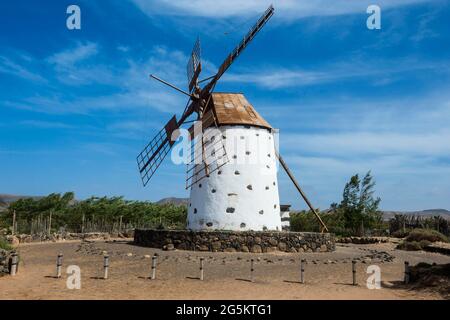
[229, 241]
[4, 258]
[55, 237]
[362, 240]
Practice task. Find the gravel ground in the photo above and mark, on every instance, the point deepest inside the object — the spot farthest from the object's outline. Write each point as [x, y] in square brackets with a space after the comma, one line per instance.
[328, 275]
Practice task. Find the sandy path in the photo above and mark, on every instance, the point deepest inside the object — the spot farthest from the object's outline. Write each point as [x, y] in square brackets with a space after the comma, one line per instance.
[276, 275]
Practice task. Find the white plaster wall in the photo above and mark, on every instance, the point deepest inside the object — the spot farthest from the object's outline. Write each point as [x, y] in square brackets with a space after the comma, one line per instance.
[251, 152]
[286, 216]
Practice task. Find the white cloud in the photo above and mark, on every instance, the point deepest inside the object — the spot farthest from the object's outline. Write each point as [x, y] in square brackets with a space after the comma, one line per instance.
[10, 67]
[45, 124]
[69, 57]
[380, 72]
[285, 9]
[433, 144]
[132, 90]
[76, 66]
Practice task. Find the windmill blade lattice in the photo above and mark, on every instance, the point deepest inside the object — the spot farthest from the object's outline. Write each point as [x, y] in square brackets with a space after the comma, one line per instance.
[208, 152]
[194, 66]
[156, 151]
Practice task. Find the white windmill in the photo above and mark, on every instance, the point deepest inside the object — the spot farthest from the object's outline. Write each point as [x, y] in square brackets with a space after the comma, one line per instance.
[233, 174]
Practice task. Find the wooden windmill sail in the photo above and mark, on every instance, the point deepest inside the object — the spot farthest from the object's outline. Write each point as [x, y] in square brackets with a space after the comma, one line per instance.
[213, 110]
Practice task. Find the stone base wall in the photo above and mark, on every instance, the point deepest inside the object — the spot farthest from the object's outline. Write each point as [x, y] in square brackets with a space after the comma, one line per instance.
[4, 258]
[362, 240]
[232, 241]
[56, 237]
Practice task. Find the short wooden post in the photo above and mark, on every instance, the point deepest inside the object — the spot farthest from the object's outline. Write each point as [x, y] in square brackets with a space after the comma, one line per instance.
[105, 266]
[354, 272]
[154, 260]
[302, 271]
[251, 269]
[50, 224]
[201, 268]
[59, 261]
[407, 272]
[14, 261]
[82, 223]
[14, 223]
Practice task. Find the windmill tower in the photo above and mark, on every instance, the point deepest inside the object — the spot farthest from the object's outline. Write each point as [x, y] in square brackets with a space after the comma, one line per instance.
[232, 174]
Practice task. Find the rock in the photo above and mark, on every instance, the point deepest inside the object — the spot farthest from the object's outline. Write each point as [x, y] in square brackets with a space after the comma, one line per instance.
[129, 254]
[216, 245]
[229, 250]
[245, 249]
[257, 240]
[147, 256]
[271, 249]
[13, 240]
[366, 260]
[323, 248]
[256, 249]
[282, 246]
[168, 247]
[292, 250]
[273, 242]
[25, 238]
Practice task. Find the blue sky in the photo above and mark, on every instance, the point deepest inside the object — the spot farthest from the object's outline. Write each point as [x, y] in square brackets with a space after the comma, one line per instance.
[77, 106]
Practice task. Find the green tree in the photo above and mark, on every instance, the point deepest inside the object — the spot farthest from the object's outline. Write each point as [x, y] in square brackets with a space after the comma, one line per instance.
[358, 207]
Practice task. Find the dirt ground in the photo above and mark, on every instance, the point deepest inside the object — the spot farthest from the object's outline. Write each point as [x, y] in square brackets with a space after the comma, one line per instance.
[276, 275]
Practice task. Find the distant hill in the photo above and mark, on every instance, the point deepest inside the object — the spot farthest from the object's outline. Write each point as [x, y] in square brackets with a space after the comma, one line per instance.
[175, 201]
[6, 199]
[423, 213]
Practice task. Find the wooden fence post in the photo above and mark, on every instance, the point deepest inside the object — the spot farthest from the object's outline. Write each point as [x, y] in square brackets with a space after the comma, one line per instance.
[105, 266]
[50, 224]
[59, 261]
[251, 269]
[14, 261]
[201, 268]
[153, 275]
[14, 223]
[407, 272]
[354, 272]
[302, 271]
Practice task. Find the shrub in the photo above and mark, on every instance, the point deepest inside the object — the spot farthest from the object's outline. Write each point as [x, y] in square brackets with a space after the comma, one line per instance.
[424, 244]
[426, 234]
[401, 233]
[409, 246]
[5, 245]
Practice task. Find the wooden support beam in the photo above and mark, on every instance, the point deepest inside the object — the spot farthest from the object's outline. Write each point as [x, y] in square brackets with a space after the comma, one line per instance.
[297, 186]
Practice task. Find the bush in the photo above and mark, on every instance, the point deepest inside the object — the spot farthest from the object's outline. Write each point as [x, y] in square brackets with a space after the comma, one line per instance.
[424, 244]
[401, 233]
[409, 246]
[426, 234]
[5, 245]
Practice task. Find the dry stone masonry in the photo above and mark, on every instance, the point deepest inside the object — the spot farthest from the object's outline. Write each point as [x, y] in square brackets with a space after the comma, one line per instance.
[231, 241]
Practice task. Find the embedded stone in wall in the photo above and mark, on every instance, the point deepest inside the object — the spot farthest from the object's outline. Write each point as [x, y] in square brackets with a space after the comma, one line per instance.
[235, 241]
